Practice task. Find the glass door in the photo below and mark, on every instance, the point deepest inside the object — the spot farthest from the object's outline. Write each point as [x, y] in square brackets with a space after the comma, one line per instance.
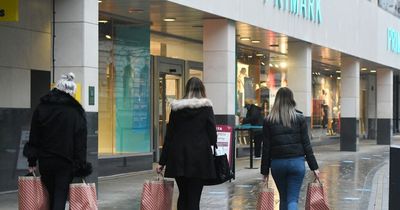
[169, 89]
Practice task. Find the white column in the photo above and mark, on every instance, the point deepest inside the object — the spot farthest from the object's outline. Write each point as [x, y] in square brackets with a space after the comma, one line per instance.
[76, 45]
[349, 103]
[299, 75]
[219, 48]
[384, 106]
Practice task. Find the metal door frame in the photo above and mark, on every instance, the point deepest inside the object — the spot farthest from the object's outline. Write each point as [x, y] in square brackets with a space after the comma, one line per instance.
[162, 66]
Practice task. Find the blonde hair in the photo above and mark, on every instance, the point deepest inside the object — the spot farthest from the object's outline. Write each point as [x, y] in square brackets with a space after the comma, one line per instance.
[284, 109]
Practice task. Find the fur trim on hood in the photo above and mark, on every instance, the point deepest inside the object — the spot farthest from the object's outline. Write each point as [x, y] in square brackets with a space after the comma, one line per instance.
[191, 103]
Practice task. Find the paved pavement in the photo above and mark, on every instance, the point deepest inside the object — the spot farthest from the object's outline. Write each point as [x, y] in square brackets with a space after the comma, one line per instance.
[353, 180]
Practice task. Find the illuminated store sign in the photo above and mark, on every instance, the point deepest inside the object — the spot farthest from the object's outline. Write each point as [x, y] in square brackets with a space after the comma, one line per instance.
[393, 38]
[308, 9]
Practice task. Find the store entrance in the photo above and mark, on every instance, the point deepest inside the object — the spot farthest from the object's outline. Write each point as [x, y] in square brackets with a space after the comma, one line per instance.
[168, 87]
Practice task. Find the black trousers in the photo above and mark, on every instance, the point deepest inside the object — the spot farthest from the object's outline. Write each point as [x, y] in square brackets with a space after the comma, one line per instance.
[258, 139]
[56, 175]
[189, 193]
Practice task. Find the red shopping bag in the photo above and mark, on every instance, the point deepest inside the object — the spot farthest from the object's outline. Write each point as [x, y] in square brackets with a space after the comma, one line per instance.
[157, 194]
[265, 199]
[316, 198]
[82, 196]
[32, 194]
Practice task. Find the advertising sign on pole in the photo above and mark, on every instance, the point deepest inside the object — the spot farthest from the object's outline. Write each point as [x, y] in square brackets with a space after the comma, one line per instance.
[224, 141]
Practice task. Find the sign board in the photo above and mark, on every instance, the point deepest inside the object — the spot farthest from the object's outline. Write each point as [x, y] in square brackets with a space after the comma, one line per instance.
[9, 10]
[224, 141]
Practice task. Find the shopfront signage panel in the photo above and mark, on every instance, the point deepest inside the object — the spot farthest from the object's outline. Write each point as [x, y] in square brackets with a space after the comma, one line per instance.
[9, 10]
[307, 9]
[393, 39]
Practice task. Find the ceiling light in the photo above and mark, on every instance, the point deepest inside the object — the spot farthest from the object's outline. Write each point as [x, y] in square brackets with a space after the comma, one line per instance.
[276, 66]
[339, 78]
[270, 65]
[100, 1]
[169, 19]
[364, 69]
[338, 71]
[255, 41]
[262, 63]
[250, 56]
[259, 55]
[135, 10]
[245, 38]
[274, 45]
[373, 71]
[283, 65]
[108, 36]
[331, 76]
[327, 69]
[103, 21]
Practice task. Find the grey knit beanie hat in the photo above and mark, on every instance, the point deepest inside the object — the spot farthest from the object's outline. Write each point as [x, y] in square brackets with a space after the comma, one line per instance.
[67, 84]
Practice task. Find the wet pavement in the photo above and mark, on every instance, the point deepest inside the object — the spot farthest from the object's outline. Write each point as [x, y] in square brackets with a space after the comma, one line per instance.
[348, 178]
[352, 180]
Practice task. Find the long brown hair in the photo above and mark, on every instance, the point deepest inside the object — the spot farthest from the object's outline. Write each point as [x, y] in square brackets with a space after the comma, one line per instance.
[284, 109]
[194, 89]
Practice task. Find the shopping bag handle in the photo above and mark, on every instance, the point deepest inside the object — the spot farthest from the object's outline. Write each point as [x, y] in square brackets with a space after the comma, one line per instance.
[317, 180]
[162, 176]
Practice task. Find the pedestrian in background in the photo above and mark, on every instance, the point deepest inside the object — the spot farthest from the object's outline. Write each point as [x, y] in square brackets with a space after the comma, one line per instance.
[254, 117]
[187, 153]
[285, 149]
[58, 141]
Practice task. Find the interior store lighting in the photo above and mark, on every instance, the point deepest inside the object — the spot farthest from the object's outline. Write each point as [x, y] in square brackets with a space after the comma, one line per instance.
[339, 78]
[262, 63]
[169, 19]
[108, 36]
[259, 55]
[338, 71]
[245, 38]
[100, 1]
[364, 69]
[283, 65]
[373, 71]
[103, 21]
[271, 65]
[255, 41]
[276, 66]
[250, 56]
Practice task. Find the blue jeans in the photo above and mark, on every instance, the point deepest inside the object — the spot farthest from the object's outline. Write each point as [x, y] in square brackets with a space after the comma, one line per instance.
[288, 174]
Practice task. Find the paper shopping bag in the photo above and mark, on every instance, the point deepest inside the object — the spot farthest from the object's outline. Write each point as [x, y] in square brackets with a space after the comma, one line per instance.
[32, 194]
[82, 196]
[265, 199]
[157, 195]
[316, 198]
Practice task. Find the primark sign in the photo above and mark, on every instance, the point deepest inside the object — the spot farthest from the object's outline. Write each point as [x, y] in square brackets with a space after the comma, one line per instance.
[307, 9]
[393, 38]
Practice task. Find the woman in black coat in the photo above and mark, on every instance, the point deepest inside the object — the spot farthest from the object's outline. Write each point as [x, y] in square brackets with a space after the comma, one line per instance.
[187, 152]
[58, 141]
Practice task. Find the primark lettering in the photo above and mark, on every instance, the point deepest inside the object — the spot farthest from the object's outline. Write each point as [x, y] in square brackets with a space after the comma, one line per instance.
[308, 9]
[393, 38]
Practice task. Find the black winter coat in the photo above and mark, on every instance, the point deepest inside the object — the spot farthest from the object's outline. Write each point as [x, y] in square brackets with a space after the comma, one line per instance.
[58, 130]
[284, 142]
[190, 133]
[253, 116]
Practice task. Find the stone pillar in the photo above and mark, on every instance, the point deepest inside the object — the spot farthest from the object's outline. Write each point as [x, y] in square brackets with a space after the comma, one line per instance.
[219, 48]
[300, 76]
[384, 106]
[349, 104]
[76, 50]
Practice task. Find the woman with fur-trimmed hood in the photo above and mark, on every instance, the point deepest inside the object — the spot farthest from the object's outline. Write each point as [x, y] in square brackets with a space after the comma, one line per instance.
[187, 152]
[58, 141]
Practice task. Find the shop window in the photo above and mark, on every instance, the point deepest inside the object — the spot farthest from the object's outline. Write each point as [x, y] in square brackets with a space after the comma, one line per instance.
[124, 88]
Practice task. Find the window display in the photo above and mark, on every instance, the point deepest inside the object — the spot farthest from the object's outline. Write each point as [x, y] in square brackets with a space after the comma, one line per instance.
[325, 104]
